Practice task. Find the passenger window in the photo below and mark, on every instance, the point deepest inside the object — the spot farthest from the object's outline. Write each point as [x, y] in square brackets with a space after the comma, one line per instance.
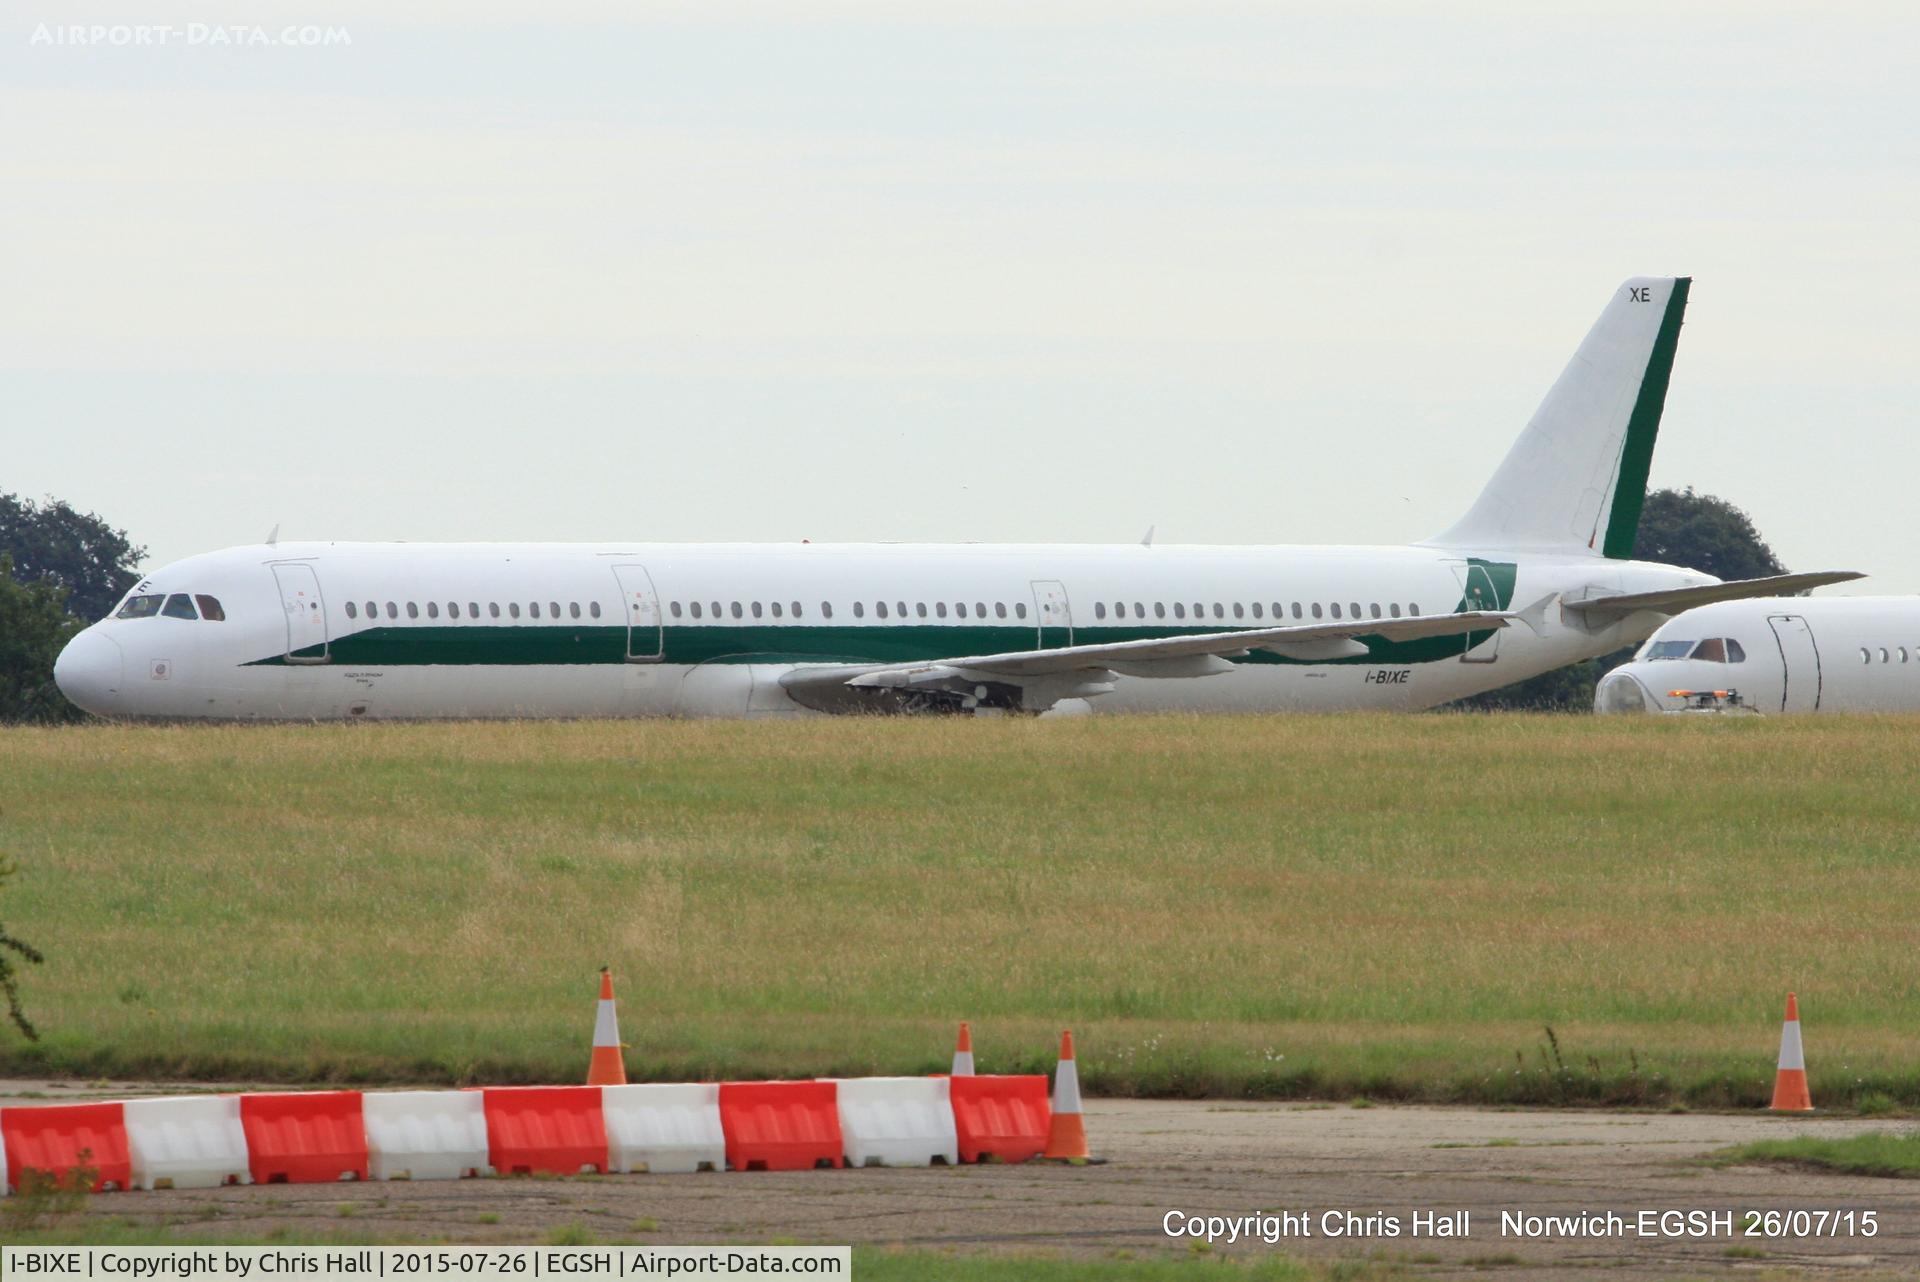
[1099, 609]
[413, 610]
[141, 607]
[1373, 609]
[1883, 654]
[533, 609]
[1179, 609]
[879, 608]
[593, 608]
[1296, 610]
[210, 608]
[1866, 656]
[940, 608]
[960, 609]
[1414, 609]
[1257, 608]
[1394, 609]
[433, 609]
[1903, 651]
[674, 609]
[695, 607]
[1139, 610]
[826, 609]
[179, 606]
[353, 611]
[1020, 609]
[1336, 609]
[1354, 606]
[1219, 611]
[900, 608]
[1199, 611]
[716, 609]
[859, 609]
[776, 609]
[796, 609]
[553, 609]
[1316, 609]
[920, 608]
[453, 609]
[736, 609]
[513, 608]
[373, 610]
[1712, 650]
[756, 609]
[1000, 609]
[979, 609]
[493, 608]
[1239, 611]
[473, 609]
[1159, 609]
[573, 609]
[393, 611]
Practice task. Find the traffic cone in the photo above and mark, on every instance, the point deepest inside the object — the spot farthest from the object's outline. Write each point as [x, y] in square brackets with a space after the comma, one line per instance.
[963, 1052]
[608, 1067]
[1790, 1080]
[1067, 1133]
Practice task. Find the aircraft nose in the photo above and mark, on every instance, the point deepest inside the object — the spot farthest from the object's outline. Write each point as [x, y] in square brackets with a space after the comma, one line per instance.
[90, 671]
[1622, 691]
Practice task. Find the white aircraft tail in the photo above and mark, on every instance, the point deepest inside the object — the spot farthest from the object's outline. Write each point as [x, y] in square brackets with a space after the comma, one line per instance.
[1577, 477]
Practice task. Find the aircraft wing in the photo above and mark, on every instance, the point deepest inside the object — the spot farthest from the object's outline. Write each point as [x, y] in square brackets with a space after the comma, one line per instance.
[1037, 679]
[1675, 600]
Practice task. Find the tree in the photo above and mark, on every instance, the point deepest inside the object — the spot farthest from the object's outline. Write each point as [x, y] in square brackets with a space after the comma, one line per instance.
[34, 626]
[1677, 527]
[54, 545]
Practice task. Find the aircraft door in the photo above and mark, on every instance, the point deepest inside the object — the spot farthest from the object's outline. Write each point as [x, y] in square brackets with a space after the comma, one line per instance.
[1053, 613]
[646, 642]
[305, 610]
[1800, 662]
[1477, 593]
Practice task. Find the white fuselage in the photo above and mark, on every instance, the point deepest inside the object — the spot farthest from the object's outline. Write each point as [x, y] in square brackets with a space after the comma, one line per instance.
[1777, 654]
[323, 630]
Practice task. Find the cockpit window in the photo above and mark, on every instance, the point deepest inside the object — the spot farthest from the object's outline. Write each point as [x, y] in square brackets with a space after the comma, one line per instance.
[141, 607]
[1734, 653]
[1669, 650]
[1712, 650]
[210, 608]
[179, 606]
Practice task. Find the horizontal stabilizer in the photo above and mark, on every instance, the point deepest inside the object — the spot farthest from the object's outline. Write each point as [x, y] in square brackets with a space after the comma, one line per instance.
[1674, 600]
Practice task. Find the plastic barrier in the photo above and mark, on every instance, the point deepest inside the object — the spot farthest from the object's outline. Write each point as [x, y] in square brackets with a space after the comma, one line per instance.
[189, 1142]
[1000, 1118]
[62, 1137]
[897, 1121]
[4, 1190]
[781, 1126]
[664, 1128]
[305, 1137]
[554, 1129]
[425, 1135]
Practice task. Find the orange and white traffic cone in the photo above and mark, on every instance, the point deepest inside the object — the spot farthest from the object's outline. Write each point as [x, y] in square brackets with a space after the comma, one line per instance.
[608, 1067]
[963, 1052]
[1067, 1133]
[1790, 1080]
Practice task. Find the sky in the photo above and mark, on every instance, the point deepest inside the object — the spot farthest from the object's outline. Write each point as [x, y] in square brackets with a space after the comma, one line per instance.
[1244, 273]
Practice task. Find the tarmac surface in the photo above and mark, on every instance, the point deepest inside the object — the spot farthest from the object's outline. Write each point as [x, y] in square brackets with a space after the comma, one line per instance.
[1171, 1160]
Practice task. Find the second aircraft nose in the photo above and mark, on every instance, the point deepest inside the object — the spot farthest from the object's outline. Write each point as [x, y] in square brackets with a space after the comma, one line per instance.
[90, 671]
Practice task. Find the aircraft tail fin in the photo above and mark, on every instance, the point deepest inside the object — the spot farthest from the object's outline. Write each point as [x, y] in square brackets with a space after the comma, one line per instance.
[1577, 477]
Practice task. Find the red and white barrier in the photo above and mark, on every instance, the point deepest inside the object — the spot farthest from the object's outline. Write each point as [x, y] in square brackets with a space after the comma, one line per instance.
[664, 1128]
[897, 1121]
[323, 1136]
[188, 1142]
[425, 1135]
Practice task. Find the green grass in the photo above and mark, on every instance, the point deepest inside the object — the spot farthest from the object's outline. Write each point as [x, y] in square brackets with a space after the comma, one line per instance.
[1338, 907]
[1890, 1153]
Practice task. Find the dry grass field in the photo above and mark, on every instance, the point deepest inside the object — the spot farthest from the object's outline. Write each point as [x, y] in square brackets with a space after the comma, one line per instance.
[1395, 907]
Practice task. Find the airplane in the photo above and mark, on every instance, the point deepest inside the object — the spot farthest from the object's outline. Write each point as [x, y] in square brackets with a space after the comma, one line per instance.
[1774, 655]
[314, 631]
